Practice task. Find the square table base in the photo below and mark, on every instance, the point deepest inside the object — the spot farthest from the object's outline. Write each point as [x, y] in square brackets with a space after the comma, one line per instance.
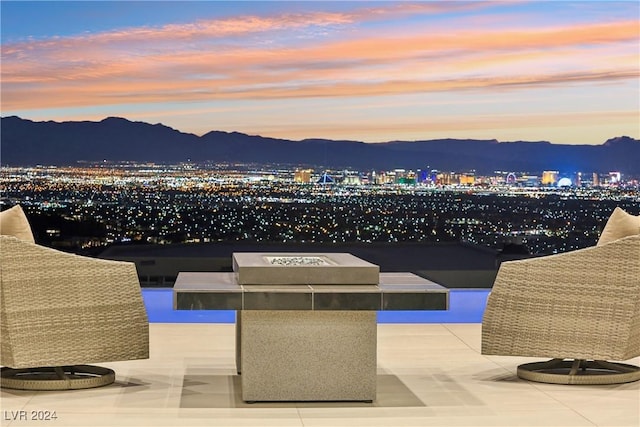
[307, 355]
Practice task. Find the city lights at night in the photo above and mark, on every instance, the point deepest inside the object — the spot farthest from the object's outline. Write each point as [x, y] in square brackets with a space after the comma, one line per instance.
[367, 72]
[93, 206]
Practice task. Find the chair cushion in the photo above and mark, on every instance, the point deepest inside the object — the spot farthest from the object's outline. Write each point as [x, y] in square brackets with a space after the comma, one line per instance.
[620, 224]
[13, 222]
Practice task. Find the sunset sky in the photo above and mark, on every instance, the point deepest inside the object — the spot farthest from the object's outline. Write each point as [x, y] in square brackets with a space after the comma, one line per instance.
[562, 71]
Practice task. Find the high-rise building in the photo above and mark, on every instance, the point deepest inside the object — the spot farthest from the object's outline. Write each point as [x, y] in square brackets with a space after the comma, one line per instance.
[466, 179]
[399, 175]
[351, 179]
[302, 176]
[615, 178]
[446, 178]
[549, 177]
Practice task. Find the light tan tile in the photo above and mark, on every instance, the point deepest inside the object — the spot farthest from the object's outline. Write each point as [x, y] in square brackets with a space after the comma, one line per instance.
[427, 375]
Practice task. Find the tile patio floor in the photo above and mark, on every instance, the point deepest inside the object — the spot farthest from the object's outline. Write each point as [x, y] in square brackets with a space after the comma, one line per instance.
[428, 375]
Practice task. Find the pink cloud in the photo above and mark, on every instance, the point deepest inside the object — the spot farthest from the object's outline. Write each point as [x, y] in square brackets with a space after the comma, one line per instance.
[235, 26]
[193, 62]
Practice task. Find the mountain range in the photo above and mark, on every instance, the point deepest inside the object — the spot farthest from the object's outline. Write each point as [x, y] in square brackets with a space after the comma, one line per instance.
[25, 142]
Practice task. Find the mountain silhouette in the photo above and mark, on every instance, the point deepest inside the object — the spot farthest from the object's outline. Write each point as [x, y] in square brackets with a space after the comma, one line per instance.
[26, 142]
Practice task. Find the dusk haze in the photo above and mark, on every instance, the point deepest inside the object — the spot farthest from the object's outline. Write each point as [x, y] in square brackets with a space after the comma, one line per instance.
[565, 72]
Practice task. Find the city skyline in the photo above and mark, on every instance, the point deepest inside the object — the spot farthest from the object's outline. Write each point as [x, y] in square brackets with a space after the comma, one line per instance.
[90, 208]
[565, 72]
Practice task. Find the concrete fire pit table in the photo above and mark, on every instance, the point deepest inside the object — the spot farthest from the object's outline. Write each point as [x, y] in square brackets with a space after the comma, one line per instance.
[306, 325]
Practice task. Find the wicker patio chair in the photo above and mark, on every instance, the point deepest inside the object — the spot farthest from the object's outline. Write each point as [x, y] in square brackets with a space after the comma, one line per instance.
[60, 311]
[582, 305]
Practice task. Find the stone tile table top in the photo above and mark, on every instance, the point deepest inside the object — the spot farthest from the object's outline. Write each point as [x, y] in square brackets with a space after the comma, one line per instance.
[393, 291]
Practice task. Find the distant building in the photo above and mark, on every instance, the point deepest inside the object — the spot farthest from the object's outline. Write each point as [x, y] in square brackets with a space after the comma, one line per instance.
[404, 177]
[410, 178]
[565, 182]
[549, 177]
[614, 178]
[399, 175]
[446, 178]
[352, 179]
[578, 179]
[511, 179]
[529, 180]
[384, 178]
[302, 176]
[325, 179]
[422, 177]
[466, 179]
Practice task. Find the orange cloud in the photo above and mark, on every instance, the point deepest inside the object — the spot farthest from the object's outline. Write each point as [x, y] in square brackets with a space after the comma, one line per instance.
[198, 62]
[180, 91]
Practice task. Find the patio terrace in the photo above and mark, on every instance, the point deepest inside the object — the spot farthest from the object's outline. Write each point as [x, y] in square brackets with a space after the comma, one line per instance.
[430, 373]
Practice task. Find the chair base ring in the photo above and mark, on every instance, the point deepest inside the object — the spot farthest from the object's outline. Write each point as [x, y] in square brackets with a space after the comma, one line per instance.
[579, 372]
[56, 378]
